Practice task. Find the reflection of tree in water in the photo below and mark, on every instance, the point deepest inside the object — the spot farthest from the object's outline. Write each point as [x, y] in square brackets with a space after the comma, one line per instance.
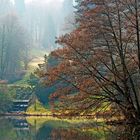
[49, 133]
[6, 130]
[68, 134]
[122, 132]
[10, 129]
[44, 133]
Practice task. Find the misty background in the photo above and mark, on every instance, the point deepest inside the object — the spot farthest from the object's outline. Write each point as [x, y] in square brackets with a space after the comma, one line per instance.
[45, 19]
[28, 26]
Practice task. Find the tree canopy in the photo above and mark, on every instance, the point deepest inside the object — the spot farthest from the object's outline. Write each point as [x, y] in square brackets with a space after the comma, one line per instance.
[100, 60]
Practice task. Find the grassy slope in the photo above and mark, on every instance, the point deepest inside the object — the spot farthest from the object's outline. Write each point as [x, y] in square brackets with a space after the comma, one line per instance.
[37, 109]
[33, 64]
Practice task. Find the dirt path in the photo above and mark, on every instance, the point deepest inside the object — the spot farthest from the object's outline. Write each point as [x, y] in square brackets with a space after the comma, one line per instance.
[34, 62]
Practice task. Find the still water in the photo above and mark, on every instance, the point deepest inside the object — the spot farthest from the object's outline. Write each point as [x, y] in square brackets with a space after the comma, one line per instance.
[53, 129]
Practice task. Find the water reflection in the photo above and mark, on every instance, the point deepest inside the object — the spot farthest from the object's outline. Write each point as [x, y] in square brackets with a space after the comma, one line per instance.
[49, 129]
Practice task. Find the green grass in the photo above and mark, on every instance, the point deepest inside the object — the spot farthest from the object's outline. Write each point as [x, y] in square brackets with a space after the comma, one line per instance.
[37, 109]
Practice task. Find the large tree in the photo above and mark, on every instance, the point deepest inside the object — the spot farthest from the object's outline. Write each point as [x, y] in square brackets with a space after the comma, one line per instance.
[100, 59]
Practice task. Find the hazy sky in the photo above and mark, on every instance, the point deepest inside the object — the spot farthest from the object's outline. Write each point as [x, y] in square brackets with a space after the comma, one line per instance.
[41, 1]
[46, 1]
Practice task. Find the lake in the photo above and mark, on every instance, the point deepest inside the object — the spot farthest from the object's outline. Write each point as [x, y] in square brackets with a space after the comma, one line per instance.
[47, 128]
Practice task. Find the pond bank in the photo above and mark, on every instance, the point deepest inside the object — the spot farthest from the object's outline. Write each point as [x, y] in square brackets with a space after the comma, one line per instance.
[109, 121]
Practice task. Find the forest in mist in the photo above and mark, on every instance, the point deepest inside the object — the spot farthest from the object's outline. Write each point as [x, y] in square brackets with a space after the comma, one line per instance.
[46, 19]
[26, 26]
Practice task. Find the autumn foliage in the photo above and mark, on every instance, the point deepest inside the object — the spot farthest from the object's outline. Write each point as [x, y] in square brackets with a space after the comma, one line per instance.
[99, 64]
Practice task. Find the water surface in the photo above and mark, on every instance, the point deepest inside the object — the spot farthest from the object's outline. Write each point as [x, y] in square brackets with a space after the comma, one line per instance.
[21, 128]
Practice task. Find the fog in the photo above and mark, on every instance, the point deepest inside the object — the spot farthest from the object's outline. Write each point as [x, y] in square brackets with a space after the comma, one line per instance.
[28, 27]
[45, 20]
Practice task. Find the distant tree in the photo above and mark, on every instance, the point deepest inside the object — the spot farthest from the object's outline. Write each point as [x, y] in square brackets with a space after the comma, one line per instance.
[13, 42]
